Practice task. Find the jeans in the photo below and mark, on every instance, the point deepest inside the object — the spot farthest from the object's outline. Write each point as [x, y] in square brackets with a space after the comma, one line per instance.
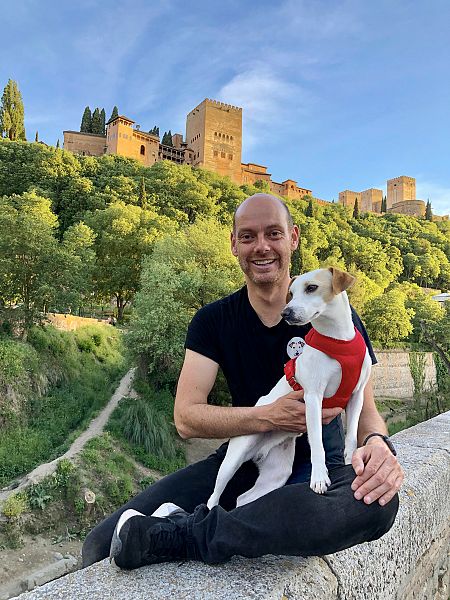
[292, 520]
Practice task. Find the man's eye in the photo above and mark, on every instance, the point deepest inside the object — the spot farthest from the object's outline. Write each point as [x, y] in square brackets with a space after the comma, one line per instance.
[275, 234]
[311, 288]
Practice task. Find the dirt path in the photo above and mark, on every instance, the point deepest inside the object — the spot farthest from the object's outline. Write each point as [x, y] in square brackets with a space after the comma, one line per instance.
[94, 429]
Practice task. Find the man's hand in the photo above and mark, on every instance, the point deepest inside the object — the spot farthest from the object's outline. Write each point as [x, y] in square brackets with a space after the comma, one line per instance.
[288, 413]
[379, 475]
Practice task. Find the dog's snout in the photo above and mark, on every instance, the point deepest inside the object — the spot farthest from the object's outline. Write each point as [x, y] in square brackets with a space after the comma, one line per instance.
[287, 313]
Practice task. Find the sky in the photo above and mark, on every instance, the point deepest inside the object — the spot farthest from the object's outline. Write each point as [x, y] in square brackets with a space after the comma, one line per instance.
[336, 94]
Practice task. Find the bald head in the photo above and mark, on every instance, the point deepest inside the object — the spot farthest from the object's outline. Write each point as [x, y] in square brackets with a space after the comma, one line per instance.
[262, 201]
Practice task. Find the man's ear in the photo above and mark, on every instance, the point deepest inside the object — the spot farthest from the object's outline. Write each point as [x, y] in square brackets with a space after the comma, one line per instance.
[289, 293]
[341, 280]
[233, 244]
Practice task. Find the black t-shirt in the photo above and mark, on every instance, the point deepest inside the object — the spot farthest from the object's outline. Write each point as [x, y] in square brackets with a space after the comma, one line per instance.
[252, 356]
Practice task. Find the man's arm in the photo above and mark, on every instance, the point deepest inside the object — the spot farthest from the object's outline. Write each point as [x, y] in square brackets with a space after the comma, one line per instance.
[194, 417]
[379, 475]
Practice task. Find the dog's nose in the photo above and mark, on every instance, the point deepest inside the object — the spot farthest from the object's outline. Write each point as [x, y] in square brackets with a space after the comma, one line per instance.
[287, 313]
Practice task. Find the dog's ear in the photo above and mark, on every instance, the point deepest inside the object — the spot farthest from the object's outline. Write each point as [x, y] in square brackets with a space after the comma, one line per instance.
[289, 293]
[341, 280]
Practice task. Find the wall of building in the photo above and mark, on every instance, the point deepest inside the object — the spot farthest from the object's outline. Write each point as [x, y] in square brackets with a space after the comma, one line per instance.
[369, 198]
[392, 376]
[123, 139]
[348, 197]
[400, 189]
[414, 208]
[87, 144]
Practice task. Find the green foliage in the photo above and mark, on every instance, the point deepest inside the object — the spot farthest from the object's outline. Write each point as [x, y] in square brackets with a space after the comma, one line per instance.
[356, 209]
[12, 113]
[15, 505]
[83, 382]
[179, 278]
[167, 138]
[428, 212]
[114, 113]
[388, 320]
[97, 124]
[86, 121]
[417, 363]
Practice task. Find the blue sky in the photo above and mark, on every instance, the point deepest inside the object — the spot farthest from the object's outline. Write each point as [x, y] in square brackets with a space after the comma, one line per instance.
[336, 94]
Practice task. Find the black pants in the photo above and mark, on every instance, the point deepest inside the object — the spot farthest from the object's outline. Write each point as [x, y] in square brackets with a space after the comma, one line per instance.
[292, 520]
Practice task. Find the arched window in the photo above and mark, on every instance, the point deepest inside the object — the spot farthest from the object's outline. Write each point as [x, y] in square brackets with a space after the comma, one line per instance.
[142, 150]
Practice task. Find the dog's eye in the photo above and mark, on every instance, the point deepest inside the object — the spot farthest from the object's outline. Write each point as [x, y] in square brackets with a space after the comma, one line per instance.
[289, 297]
[311, 288]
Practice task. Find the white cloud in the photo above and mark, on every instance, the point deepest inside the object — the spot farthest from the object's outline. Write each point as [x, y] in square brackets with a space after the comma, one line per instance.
[269, 102]
[439, 195]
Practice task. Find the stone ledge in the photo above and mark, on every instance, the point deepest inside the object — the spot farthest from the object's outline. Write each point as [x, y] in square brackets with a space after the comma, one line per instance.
[410, 561]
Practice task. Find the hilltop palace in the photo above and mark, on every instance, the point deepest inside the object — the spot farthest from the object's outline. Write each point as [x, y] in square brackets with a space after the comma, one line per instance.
[214, 142]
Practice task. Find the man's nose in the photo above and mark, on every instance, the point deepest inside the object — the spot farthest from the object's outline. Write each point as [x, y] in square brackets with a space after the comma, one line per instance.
[262, 245]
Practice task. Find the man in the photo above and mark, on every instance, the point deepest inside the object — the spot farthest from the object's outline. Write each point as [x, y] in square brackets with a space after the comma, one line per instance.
[245, 335]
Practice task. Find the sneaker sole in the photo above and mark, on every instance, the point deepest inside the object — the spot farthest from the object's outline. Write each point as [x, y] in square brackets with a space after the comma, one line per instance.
[116, 542]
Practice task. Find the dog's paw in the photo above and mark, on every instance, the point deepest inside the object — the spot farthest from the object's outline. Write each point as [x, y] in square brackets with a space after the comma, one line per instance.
[320, 481]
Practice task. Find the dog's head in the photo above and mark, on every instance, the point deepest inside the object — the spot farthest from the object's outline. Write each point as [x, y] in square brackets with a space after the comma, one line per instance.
[310, 294]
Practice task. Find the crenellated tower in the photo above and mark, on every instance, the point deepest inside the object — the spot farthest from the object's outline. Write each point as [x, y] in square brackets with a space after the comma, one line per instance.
[214, 133]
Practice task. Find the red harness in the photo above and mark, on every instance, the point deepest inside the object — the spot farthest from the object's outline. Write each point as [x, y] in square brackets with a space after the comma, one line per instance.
[350, 356]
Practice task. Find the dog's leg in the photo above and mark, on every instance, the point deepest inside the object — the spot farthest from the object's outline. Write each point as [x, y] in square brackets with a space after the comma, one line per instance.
[352, 412]
[274, 471]
[319, 476]
[240, 449]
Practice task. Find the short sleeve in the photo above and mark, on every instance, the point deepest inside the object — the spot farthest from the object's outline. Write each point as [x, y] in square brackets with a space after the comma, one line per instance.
[202, 334]
[362, 330]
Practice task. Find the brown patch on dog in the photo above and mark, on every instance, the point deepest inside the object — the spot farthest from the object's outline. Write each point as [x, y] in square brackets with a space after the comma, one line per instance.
[340, 280]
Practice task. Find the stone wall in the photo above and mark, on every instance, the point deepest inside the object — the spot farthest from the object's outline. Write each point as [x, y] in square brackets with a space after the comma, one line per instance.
[410, 562]
[392, 377]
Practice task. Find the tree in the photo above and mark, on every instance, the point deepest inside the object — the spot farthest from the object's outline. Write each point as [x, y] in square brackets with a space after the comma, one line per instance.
[383, 204]
[57, 143]
[167, 138]
[426, 310]
[114, 114]
[387, 319]
[36, 137]
[428, 212]
[97, 122]
[12, 113]
[86, 121]
[103, 120]
[356, 209]
[154, 131]
[187, 263]
[310, 209]
[142, 194]
[124, 235]
[437, 335]
[35, 270]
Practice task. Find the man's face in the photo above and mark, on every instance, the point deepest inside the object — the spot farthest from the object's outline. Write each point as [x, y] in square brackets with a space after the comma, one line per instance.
[262, 240]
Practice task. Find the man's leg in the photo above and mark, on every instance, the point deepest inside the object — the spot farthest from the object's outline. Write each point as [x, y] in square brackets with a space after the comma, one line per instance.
[292, 520]
[187, 488]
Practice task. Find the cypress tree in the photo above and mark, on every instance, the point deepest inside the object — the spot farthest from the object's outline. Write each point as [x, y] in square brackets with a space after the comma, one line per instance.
[97, 122]
[309, 212]
[114, 114]
[383, 204]
[142, 194]
[103, 120]
[12, 113]
[428, 211]
[86, 121]
[36, 137]
[57, 144]
[356, 209]
[167, 138]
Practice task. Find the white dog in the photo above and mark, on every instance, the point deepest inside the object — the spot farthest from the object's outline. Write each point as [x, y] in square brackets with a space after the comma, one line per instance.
[318, 297]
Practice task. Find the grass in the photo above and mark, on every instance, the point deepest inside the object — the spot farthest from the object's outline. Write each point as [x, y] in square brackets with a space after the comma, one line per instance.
[144, 428]
[83, 368]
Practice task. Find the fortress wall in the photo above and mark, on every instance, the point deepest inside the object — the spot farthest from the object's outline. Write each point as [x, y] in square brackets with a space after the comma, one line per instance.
[410, 562]
[392, 376]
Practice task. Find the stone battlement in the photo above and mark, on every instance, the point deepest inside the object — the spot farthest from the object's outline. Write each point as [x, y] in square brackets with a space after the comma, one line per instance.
[223, 104]
[409, 563]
